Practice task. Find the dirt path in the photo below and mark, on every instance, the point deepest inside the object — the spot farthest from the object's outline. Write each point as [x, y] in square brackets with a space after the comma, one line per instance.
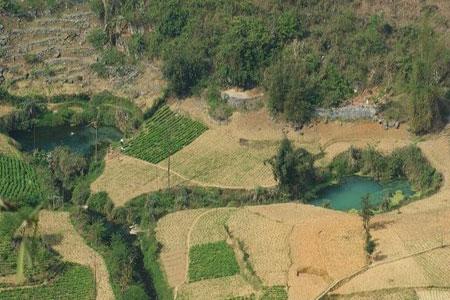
[56, 228]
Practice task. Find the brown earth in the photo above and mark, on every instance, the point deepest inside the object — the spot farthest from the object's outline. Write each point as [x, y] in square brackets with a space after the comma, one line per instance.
[58, 231]
[409, 251]
[60, 41]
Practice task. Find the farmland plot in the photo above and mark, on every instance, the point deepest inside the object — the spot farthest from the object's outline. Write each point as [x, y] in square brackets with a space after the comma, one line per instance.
[162, 135]
[261, 236]
[212, 260]
[18, 180]
[76, 283]
[126, 177]
[216, 289]
[210, 228]
[172, 232]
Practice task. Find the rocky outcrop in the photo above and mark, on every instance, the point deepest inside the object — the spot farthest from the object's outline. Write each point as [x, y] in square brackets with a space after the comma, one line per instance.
[247, 100]
[348, 113]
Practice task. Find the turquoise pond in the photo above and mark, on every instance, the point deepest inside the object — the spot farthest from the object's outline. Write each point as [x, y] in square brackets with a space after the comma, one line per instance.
[347, 194]
[78, 139]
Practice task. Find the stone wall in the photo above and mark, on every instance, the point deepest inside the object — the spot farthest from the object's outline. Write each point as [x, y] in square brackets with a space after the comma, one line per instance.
[349, 112]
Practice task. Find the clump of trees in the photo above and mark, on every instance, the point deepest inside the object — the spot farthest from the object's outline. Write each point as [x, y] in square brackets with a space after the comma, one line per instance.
[407, 162]
[308, 54]
[294, 171]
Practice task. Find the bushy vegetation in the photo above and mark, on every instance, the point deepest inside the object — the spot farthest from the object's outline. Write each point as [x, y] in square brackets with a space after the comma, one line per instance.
[306, 53]
[408, 163]
[162, 135]
[211, 260]
[74, 282]
[294, 171]
[33, 8]
[102, 109]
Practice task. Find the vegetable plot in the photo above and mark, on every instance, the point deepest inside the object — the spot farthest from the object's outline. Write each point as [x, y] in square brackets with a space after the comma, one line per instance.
[162, 135]
[18, 180]
[76, 283]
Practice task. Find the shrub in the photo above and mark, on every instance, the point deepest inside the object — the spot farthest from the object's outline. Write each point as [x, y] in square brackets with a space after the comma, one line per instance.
[97, 38]
[32, 59]
[135, 292]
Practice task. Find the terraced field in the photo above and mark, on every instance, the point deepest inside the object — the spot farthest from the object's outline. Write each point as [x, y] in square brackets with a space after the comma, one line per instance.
[18, 181]
[265, 244]
[76, 282]
[162, 135]
[65, 59]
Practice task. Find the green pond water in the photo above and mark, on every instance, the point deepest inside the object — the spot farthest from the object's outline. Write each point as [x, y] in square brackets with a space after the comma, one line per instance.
[78, 139]
[347, 195]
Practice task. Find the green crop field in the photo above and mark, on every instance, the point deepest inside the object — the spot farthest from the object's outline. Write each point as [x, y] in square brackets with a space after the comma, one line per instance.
[18, 180]
[8, 224]
[77, 283]
[211, 260]
[274, 293]
[162, 135]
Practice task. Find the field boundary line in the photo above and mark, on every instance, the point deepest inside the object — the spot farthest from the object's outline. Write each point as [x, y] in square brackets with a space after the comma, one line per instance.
[345, 280]
[196, 182]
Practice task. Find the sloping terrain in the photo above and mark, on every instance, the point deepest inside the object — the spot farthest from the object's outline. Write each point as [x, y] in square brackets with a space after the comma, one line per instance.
[56, 229]
[51, 55]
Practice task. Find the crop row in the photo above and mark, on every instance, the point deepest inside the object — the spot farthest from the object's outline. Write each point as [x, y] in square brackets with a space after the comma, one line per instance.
[162, 135]
[77, 282]
[17, 179]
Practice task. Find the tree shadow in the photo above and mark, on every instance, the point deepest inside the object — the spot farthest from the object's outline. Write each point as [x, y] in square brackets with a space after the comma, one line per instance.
[52, 239]
[380, 225]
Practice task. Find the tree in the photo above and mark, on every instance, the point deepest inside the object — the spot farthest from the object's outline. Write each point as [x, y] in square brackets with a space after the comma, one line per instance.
[293, 169]
[292, 84]
[66, 167]
[366, 214]
[244, 49]
[429, 67]
[28, 229]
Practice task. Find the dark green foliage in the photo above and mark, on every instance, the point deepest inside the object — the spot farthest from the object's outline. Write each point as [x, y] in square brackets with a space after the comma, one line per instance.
[292, 84]
[66, 167]
[150, 248]
[98, 38]
[81, 193]
[135, 292]
[212, 260]
[294, 170]
[184, 67]
[99, 202]
[407, 162]
[244, 50]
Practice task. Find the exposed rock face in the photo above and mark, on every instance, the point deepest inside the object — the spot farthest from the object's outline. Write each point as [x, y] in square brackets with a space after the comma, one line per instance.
[349, 112]
[248, 100]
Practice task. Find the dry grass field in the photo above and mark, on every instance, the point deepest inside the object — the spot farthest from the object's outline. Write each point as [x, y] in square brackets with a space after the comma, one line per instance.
[126, 177]
[233, 155]
[408, 252]
[173, 232]
[58, 231]
[7, 146]
[210, 227]
[61, 41]
[273, 237]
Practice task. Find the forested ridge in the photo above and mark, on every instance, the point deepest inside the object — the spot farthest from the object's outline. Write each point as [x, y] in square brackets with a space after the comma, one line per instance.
[304, 53]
